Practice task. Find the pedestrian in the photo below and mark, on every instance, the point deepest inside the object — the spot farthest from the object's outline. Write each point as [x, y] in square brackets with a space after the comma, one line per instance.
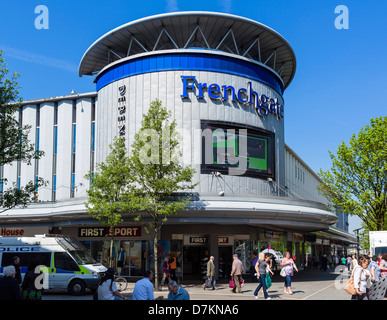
[348, 262]
[31, 288]
[172, 267]
[273, 263]
[254, 259]
[336, 261]
[143, 289]
[353, 263]
[383, 265]
[9, 288]
[166, 272]
[211, 271]
[261, 268]
[177, 292]
[375, 269]
[16, 264]
[380, 257]
[324, 262]
[236, 273]
[288, 264]
[360, 279]
[107, 288]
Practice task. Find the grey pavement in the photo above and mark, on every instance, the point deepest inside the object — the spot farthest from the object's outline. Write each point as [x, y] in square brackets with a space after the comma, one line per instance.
[306, 285]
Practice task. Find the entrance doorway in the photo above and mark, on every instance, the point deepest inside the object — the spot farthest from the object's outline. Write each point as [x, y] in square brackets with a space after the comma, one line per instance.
[195, 260]
[225, 261]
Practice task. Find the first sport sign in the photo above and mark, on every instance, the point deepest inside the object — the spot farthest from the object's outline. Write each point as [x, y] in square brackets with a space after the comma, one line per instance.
[96, 232]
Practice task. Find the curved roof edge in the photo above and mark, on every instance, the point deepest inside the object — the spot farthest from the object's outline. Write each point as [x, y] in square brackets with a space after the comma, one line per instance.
[247, 35]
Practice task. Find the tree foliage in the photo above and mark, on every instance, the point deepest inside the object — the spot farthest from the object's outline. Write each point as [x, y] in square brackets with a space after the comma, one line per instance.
[357, 180]
[157, 173]
[144, 183]
[14, 143]
[109, 188]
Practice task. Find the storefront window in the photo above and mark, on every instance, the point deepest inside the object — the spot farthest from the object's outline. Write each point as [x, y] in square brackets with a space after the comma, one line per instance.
[244, 249]
[170, 251]
[130, 258]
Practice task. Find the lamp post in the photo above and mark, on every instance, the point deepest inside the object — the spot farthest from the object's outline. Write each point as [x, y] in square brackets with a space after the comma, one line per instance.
[357, 241]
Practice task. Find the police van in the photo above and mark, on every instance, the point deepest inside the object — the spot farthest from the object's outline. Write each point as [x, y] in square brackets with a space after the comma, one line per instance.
[64, 261]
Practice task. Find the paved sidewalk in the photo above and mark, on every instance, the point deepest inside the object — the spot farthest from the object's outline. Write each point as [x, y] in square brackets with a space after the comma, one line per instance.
[306, 285]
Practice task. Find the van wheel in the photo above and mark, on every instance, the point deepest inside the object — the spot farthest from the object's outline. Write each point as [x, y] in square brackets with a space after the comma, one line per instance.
[77, 287]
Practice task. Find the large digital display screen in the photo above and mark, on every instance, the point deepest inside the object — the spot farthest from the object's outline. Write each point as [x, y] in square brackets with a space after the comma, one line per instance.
[228, 152]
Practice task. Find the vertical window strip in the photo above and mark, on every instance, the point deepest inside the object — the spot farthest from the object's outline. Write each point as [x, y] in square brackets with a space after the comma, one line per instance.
[55, 151]
[73, 148]
[18, 166]
[1, 179]
[92, 142]
[37, 144]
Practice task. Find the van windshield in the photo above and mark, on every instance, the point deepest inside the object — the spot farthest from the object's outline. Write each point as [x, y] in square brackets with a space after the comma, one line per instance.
[82, 257]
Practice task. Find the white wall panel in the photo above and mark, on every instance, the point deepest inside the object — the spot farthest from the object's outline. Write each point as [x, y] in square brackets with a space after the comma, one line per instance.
[29, 118]
[83, 144]
[46, 144]
[63, 180]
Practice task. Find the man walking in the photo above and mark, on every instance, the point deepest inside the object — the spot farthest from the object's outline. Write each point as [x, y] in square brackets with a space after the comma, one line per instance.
[211, 273]
[236, 273]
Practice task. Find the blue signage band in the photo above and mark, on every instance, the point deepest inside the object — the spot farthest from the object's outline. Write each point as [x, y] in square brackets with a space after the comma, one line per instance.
[188, 62]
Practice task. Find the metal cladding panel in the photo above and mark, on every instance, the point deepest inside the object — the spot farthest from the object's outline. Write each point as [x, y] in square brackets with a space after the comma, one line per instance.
[29, 118]
[63, 180]
[83, 146]
[46, 144]
[167, 86]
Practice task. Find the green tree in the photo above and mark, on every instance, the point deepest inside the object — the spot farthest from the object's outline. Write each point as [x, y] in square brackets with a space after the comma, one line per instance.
[357, 180]
[14, 143]
[109, 188]
[157, 175]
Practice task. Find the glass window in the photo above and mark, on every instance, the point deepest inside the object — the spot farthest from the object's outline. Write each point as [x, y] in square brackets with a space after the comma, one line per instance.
[65, 262]
[43, 258]
[82, 257]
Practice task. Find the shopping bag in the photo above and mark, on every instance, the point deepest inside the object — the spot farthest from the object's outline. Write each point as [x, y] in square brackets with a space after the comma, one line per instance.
[268, 281]
[208, 283]
[231, 284]
[241, 282]
[349, 287]
[283, 272]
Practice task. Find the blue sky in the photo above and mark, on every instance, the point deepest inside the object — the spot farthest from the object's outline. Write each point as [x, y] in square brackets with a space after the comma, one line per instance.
[338, 86]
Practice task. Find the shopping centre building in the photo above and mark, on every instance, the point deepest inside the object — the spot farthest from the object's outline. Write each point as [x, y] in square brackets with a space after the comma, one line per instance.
[217, 73]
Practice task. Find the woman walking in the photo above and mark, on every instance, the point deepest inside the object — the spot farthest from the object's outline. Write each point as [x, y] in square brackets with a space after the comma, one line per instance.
[260, 267]
[288, 264]
[166, 271]
[360, 279]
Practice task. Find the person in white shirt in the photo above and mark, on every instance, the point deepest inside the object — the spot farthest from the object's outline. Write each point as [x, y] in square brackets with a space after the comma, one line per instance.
[107, 288]
[361, 279]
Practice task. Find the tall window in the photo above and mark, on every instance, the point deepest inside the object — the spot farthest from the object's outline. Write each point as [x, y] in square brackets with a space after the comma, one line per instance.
[55, 151]
[37, 140]
[92, 142]
[73, 149]
[18, 168]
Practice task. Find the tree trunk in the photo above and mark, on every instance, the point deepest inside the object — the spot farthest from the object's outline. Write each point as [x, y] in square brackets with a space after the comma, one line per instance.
[111, 247]
[155, 241]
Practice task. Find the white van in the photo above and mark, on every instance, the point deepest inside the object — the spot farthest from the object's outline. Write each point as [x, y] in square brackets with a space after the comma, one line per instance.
[66, 263]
